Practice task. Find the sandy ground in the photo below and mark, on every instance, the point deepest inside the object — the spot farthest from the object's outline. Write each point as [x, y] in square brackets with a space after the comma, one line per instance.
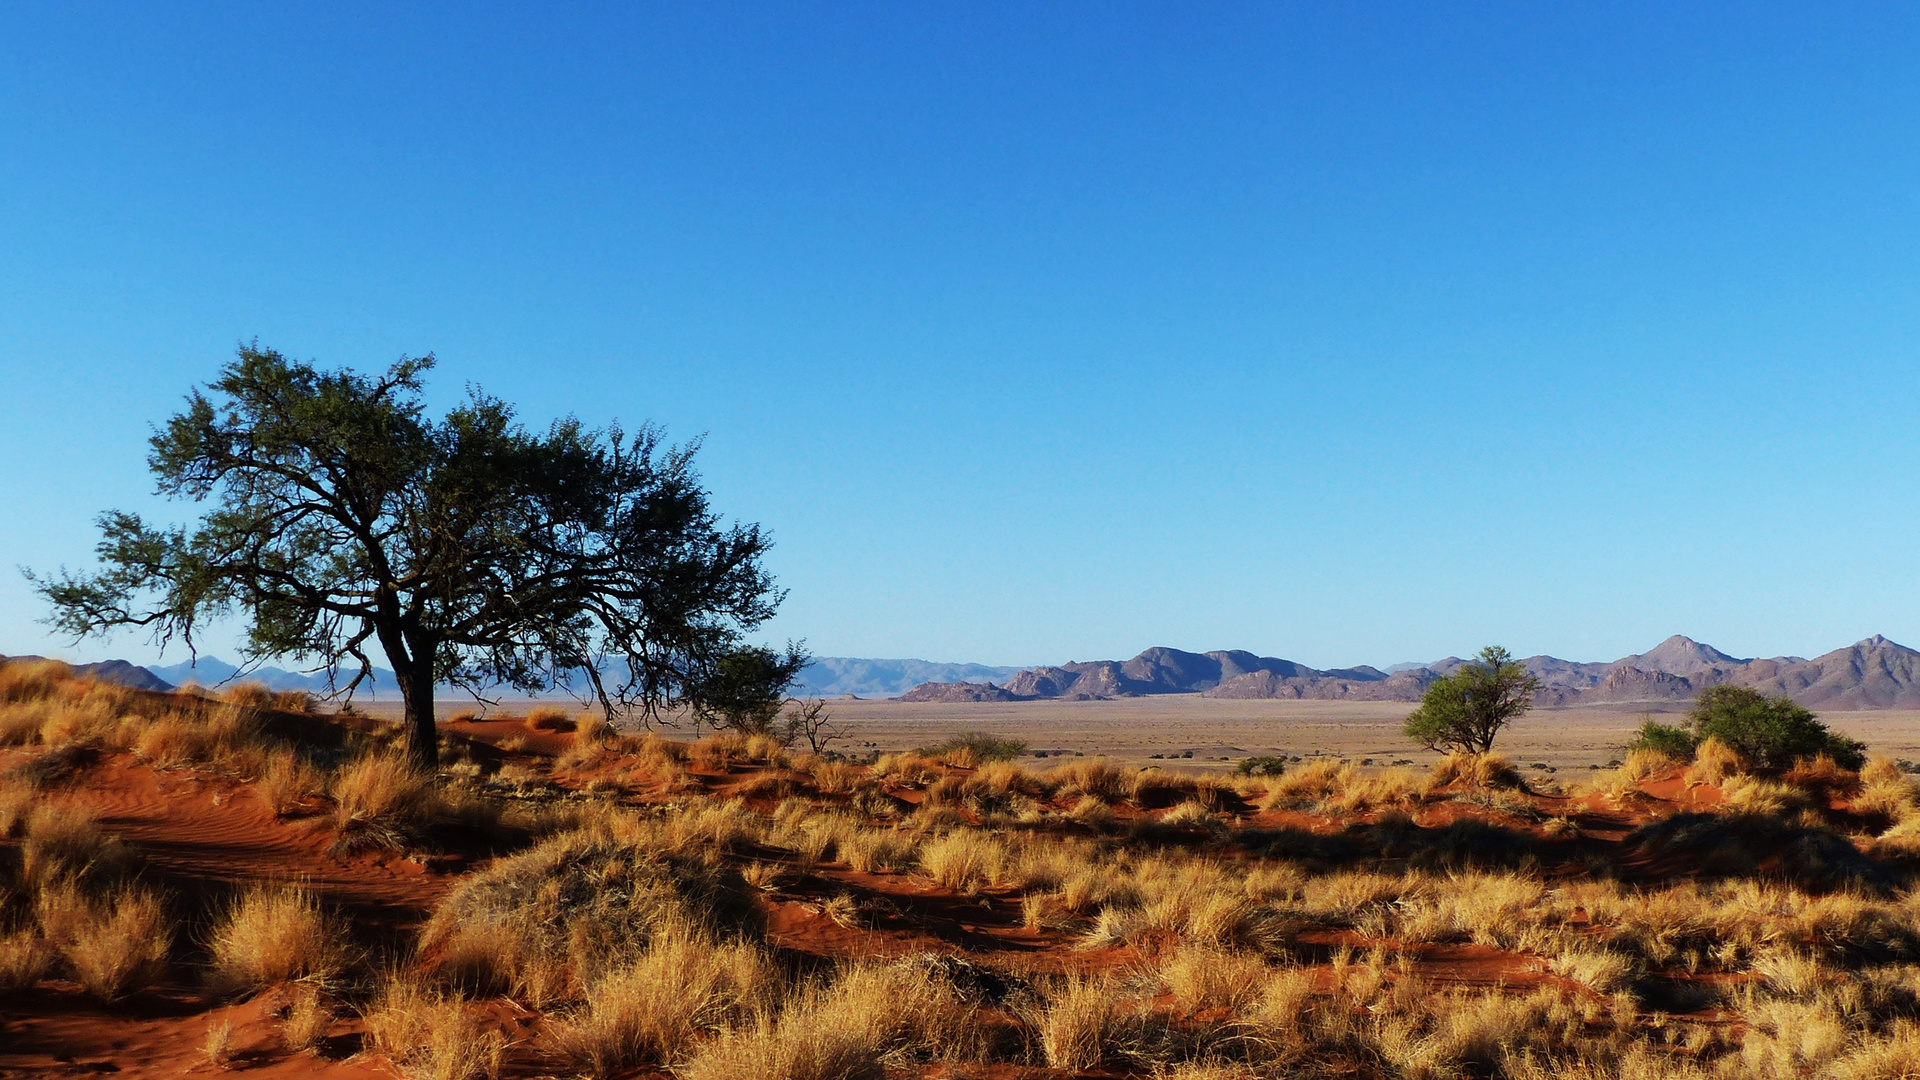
[1132, 730]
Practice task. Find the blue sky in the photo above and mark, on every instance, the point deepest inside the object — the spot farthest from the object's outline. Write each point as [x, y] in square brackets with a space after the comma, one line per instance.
[1043, 332]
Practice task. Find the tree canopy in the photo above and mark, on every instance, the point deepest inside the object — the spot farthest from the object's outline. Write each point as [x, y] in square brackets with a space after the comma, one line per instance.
[467, 550]
[1769, 731]
[1466, 708]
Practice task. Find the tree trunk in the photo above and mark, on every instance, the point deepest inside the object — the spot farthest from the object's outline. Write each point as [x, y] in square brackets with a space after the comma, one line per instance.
[423, 738]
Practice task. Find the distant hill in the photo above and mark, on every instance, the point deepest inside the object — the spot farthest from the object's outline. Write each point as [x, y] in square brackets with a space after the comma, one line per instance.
[113, 671]
[212, 671]
[839, 676]
[1872, 674]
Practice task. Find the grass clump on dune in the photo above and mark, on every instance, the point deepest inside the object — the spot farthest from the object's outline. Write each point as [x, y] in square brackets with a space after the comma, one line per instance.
[381, 800]
[431, 1036]
[850, 1027]
[114, 944]
[272, 934]
[685, 985]
[550, 921]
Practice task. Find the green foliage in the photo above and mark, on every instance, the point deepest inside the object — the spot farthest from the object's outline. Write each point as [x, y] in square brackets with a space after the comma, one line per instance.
[1675, 742]
[983, 747]
[1260, 765]
[1769, 731]
[748, 688]
[469, 550]
[1467, 708]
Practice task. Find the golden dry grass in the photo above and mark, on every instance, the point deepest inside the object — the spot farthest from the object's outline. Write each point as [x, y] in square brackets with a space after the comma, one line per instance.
[381, 800]
[637, 930]
[112, 946]
[964, 861]
[25, 959]
[218, 1045]
[1489, 770]
[286, 782]
[1077, 1022]
[429, 1036]
[65, 839]
[1713, 762]
[654, 1010]
[307, 1018]
[847, 1028]
[271, 934]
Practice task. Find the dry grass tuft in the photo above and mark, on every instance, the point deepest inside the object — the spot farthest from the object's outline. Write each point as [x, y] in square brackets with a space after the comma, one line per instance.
[307, 1018]
[875, 851]
[32, 680]
[686, 986]
[381, 800]
[1361, 793]
[114, 946]
[964, 861]
[64, 840]
[1599, 970]
[428, 1036]
[1192, 814]
[272, 934]
[548, 718]
[1748, 794]
[1489, 770]
[1713, 762]
[1644, 761]
[1885, 791]
[1306, 784]
[1093, 778]
[25, 959]
[1078, 1021]
[1210, 978]
[286, 782]
[219, 1043]
[846, 1030]
[548, 922]
[1092, 813]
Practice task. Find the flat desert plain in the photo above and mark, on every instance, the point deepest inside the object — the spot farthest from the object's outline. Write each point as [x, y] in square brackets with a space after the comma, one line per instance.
[1220, 731]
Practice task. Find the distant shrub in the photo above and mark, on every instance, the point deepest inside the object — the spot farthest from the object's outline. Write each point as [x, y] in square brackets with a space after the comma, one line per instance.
[979, 746]
[1675, 742]
[1464, 710]
[1770, 731]
[1261, 765]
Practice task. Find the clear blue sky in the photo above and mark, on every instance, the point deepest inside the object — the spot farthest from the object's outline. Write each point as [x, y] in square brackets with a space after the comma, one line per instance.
[1347, 333]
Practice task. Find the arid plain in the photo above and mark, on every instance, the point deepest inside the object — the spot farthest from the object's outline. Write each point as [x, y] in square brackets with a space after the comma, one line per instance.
[1220, 731]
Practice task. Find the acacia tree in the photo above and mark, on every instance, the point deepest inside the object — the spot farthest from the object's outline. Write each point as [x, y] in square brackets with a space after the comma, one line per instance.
[1465, 709]
[468, 550]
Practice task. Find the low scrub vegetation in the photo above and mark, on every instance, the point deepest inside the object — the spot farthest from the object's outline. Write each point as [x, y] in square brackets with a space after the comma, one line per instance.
[274, 934]
[726, 908]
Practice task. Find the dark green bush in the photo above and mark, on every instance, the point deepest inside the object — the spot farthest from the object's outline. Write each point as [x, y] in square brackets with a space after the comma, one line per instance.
[1769, 731]
[1675, 742]
[983, 747]
[1261, 765]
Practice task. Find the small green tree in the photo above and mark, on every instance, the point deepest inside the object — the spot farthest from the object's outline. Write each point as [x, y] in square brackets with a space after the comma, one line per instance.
[1769, 731]
[344, 521]
[1467, 708]
[748, 688]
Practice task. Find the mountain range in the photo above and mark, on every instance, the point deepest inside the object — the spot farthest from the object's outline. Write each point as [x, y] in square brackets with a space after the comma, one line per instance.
[1872, 674]
[841, 676]
[824, 676]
